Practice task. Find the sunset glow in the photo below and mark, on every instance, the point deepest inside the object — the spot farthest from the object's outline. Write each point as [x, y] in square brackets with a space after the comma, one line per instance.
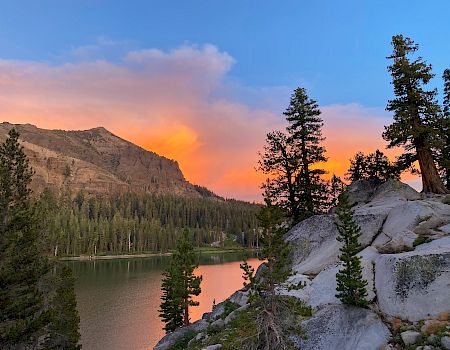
[172, 103]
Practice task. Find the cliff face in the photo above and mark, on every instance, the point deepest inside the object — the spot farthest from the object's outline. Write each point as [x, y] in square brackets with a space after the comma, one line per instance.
[97, 162]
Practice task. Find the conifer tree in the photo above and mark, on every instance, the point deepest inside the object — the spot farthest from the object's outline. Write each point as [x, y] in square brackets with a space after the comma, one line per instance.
[374, 166]
[171, 312]
[64, 326]
[414, 111]
[23, 314]
[337, 186]
[358, 167]
[443, 151]
[275, 250]
[350, 283]
[292, 158]
[180, 285]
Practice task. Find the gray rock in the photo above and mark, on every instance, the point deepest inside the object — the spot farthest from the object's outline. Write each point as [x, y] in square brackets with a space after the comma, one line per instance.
[169, 339]
[234, 314]
[218, 324]
[217, 311]
[314, 244]
[445, 342]
[240, 297]
[314, 240]
[445, 229]
[413, 285]
[213, 347]
[345, 328]
[432, 339]
[394, 191]
[410, 337]
[322, 289]
[362, 190]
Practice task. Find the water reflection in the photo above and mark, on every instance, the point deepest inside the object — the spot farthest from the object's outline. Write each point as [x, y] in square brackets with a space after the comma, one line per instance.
[118, 300]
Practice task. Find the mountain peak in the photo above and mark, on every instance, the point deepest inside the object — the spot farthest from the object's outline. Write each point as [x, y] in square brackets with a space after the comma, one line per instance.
[99, 162]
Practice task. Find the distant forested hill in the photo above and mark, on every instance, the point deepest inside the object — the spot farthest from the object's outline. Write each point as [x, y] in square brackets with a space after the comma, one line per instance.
[131, 222]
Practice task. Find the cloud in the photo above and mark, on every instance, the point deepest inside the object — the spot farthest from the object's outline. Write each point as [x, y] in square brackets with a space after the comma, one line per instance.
[177, 103]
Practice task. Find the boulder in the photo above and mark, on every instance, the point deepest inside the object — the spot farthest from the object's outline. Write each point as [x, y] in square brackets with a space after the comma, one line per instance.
[410, 337]
[414, 285]
[213, 347]
[169, 339]
[397, 233]
[314, 244]
[362, 190]
[314, 240]
[345, 328]
[394, 191]
[322, 289]
[445, 229]
[445, 342]
[240, 297]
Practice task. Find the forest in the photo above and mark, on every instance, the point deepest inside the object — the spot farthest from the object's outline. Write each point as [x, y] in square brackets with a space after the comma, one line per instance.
[140, 222]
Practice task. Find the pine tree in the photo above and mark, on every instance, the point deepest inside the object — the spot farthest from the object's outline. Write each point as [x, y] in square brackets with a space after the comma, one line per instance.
[374, 166]
[180, 285]
[379, 167]
[64, 326]
[23, 315]
[275, 250]
[350, 283]
[305, 130]
[291, 159]
[358, 167]
[414, 109]
[443, 152]
[337, 186]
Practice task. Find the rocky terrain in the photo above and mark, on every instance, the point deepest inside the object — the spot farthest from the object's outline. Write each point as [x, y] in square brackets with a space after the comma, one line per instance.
[405, 259]
[97, 162]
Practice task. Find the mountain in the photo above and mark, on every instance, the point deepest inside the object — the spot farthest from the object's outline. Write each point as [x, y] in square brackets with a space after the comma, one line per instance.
[98, 162]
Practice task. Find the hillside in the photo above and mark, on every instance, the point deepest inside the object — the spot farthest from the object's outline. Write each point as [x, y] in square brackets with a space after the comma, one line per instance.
[98, 162]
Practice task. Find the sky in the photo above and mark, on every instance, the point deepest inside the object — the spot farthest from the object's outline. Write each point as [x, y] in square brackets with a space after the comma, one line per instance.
[203, 82]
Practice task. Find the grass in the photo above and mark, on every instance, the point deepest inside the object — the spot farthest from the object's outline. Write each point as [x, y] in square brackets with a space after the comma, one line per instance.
[421, 240]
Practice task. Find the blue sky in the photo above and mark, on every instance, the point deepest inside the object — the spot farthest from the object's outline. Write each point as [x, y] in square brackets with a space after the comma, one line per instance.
[202, 82]
[336, 49]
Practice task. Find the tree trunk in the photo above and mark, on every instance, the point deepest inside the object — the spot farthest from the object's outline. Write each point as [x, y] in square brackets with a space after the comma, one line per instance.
[431, 181]
[186, 315]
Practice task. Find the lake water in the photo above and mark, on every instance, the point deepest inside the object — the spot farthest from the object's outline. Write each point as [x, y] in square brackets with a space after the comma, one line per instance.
[118, 299]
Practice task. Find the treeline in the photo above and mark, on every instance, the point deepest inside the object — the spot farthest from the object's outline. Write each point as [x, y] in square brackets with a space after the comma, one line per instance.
[131, 222]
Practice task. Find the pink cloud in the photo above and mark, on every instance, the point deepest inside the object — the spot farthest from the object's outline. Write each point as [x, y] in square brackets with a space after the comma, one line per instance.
[171, 103]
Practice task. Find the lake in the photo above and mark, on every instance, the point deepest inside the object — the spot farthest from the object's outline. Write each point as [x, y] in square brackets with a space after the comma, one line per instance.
[118, 300]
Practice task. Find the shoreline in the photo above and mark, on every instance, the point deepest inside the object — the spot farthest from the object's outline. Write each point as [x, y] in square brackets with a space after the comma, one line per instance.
[145, 255]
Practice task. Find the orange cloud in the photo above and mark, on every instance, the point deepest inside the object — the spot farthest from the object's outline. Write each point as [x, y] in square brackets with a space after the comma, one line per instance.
[172, 103]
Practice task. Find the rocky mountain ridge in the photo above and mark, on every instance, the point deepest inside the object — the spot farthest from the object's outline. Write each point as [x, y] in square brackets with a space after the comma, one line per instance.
[405, 260]
[98, 162]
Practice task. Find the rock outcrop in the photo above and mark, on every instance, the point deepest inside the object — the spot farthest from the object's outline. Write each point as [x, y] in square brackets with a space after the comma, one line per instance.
[345, 328]
[405, 260]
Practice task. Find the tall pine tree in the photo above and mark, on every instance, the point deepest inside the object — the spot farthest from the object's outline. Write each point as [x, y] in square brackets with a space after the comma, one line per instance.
[414, 109]
[64, 327]
[275, 250]
[291, 159]
[179, 285]
[350, 283]
[443, 151]
[23, 313]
